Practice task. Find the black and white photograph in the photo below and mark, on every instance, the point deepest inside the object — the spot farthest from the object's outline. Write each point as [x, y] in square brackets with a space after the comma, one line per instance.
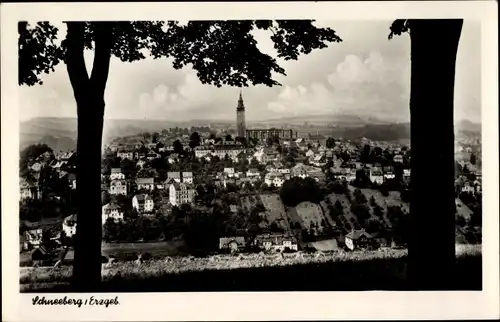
[295, 154]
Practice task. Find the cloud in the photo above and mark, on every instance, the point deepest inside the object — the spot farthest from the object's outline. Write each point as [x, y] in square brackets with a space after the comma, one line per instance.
[365, 74]
[188, 99]
[360, 86]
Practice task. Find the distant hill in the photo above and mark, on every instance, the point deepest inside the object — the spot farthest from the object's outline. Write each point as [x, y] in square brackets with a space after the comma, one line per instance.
[61, 133]
[325, 119]
[468, 126]
[387, 132]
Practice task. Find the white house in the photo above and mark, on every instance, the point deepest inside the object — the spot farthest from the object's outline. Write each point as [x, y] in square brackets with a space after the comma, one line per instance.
[143, 203]
[229, 172]
[253, 172]
[112, 211]
[140, 163]
[125, 155]
[398, 158]
[277, 242]
[145, 183]
[376, 175]
[118, 187]
[187, 177]
[69, 225]
[116, 174]
[300, 171]
[274, 178]
[180, 193]
[176, 176]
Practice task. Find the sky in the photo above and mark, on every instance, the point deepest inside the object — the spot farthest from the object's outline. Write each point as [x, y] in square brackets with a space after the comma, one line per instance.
[366, 75]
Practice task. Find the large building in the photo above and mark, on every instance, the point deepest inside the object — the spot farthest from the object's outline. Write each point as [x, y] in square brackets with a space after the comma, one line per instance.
[181, 193]
[264, 134]
[240, 117]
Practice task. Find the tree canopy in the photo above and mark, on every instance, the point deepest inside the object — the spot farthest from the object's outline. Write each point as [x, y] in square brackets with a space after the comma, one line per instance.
[221, 52]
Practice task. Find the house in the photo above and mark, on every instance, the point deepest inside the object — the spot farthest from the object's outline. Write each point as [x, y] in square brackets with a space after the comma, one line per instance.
[357, 239]
[125, 155]
[33, 237]
[116, 174]
[274, 178]
[69, 225]
[180, 193]
[152, 155]
[112, 211]
[317, 175]
[253, 172]
[299, 170]
[317, 138]
[318, 160]
[398, 158]
[175, 176]
[468, 187]
[221, 149]
[187, 177]
[140, 155]
[143, 203]
[271, 155]
[376, 175]
[140, 163]
[145, 183]
[229, 172]
[406, 174]
[233, 244]
[28, 189]
[388, 173]
[118, 187]
[277, 242]
[172, 158]
[477, 186]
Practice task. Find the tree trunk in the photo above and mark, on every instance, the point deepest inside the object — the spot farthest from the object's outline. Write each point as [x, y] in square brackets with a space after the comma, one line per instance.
[431, 246]
[89, 95]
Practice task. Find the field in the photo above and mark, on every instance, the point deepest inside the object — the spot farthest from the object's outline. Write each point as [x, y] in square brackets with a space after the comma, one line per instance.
[340, 271]
[275, 211]
[156, 249]
[348, 220]
[308, 214]
[325, 245]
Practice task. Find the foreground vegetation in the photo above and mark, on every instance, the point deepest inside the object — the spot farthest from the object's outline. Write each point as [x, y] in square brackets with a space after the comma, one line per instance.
[384, 269]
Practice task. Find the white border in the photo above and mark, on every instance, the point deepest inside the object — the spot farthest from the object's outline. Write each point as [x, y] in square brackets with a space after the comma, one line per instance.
[256, 306]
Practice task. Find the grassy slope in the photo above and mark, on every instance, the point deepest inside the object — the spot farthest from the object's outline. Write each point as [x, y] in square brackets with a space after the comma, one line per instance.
[309, 213]
[275, 210]
[338, 271]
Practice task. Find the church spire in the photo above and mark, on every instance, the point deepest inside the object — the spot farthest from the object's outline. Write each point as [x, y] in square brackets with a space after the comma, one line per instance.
[241, 106]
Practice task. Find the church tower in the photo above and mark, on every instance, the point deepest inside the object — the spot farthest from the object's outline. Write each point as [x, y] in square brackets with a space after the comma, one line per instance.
[240, 118]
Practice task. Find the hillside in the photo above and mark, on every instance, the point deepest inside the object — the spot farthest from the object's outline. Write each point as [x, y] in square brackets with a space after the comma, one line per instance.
[61, 133]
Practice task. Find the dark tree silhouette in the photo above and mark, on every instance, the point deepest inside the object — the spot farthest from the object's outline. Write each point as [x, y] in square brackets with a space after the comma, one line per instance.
[178, 148]
[434, 45]
[194, 140]
[330, 143]
[473, 159]
[222, 53]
